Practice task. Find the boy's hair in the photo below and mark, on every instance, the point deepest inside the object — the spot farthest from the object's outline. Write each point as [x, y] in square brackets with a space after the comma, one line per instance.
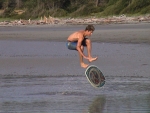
[90, 28]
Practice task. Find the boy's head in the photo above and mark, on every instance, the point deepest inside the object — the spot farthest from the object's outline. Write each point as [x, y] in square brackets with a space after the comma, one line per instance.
[89, 30]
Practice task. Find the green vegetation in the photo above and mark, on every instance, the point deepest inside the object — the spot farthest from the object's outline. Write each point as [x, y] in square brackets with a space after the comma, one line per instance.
[71, 8]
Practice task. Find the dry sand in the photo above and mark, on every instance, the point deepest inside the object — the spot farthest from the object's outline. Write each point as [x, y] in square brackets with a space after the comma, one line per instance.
[125, 33]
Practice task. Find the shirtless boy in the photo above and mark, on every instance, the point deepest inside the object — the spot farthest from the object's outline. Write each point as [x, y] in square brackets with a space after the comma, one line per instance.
[77, 41]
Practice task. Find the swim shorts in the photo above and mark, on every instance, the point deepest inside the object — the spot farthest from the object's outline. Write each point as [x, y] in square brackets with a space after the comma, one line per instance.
[73, 45]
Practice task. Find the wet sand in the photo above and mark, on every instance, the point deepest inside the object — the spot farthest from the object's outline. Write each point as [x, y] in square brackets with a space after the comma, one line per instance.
[39, 74]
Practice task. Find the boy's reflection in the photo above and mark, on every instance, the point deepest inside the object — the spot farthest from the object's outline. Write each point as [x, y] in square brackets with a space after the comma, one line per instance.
[97, 105]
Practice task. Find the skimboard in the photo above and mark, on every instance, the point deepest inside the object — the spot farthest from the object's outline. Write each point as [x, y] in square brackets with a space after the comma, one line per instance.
[95, 76]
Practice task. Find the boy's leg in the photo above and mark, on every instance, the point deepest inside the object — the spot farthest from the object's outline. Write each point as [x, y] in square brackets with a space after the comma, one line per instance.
[72, 46]
[89, 47]
[81, 59]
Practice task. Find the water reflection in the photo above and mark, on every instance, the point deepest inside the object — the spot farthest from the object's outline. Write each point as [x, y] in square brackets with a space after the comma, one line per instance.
[97, 105]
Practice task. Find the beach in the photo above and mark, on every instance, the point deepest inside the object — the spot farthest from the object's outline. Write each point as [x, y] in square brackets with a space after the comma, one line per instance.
[38, 74]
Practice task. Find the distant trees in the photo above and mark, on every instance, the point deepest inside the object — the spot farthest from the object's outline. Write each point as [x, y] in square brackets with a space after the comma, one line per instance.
[50, 3]
[18, 3]
[37, 8]
[97, 2]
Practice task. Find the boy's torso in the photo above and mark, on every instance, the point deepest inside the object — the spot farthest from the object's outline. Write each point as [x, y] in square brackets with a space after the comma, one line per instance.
[75, 36]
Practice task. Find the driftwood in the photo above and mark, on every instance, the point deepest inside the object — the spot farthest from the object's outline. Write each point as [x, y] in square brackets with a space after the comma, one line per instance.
[92, 20]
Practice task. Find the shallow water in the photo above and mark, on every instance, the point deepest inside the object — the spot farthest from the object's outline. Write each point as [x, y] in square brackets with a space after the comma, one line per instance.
[73, 94]
[36, 78]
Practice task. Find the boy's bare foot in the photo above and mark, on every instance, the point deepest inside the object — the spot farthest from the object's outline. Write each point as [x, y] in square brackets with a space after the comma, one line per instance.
[92, 59]
[84, 65]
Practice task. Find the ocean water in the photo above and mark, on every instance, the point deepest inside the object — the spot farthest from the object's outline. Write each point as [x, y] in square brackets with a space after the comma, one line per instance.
[45, 77]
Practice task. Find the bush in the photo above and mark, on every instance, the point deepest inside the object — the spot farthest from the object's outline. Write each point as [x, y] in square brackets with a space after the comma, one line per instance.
[86, 10]
[116, 7]
[145, 10]
[59, 13]
[137, 6]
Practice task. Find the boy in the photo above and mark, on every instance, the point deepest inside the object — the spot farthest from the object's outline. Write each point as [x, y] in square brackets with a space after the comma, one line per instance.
[77, 41]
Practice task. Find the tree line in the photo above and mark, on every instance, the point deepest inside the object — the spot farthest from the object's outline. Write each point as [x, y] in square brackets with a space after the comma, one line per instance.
[72, 8]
